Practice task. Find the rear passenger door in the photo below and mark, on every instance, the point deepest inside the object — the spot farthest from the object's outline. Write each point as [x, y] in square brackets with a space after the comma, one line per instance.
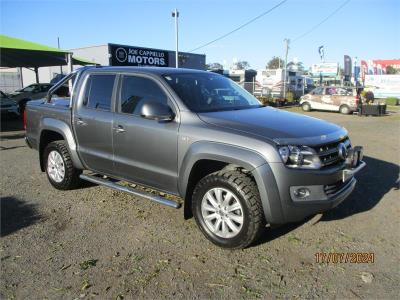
[145, 151]
[327, 99]
[92, 122]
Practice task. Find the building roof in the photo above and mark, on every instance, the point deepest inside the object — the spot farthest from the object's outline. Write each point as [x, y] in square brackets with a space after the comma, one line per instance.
[21, 53]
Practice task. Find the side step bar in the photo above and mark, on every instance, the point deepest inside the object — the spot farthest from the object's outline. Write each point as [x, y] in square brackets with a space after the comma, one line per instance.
[118, 187]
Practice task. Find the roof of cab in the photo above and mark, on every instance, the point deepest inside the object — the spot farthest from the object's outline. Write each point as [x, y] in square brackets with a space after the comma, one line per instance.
[151, 70]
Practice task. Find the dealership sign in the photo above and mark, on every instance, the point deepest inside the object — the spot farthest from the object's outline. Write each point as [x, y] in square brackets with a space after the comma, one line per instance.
[325, 69]
[136, 56]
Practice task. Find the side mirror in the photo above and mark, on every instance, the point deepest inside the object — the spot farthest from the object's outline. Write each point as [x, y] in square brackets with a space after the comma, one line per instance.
[157, 111]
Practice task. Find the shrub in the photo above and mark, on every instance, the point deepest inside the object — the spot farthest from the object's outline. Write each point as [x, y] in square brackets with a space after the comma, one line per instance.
[392, 101]
[264, 100]
[290, 97]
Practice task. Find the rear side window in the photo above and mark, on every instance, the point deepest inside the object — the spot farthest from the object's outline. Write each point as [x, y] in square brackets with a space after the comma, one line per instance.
[136, 91]
[98, 92]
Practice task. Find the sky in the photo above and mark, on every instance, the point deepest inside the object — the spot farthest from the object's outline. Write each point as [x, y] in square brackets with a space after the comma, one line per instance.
[367, 29]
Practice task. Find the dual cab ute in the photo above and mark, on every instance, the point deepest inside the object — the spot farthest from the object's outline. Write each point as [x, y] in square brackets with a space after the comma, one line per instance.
[236, 164]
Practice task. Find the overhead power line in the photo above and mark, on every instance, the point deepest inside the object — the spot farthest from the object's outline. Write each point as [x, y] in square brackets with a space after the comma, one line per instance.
[240, 27]
[323, 21]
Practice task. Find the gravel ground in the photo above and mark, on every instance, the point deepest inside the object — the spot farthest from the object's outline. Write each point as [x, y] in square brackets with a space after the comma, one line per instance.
[98, 243]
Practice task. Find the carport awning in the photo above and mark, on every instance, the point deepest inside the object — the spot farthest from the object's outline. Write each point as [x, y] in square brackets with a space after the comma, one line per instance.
[20, 53]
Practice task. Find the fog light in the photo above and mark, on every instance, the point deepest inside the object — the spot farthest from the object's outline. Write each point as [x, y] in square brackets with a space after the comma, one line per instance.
[301, 193]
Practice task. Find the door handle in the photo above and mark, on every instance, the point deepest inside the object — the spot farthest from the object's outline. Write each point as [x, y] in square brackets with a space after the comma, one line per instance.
[119, 129]
[80, 122]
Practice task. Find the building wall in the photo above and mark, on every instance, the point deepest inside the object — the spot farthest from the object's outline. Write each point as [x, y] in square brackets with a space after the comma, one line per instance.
[97, 54]
[187, 60]
[10, 80]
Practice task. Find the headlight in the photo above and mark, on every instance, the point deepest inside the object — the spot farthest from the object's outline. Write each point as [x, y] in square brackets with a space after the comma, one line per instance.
[301, 157]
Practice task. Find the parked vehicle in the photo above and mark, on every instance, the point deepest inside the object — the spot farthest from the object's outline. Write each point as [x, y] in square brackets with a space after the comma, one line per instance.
[272, 82]
[331, 98]
[30, 92]
[7, 105]
[236, 164]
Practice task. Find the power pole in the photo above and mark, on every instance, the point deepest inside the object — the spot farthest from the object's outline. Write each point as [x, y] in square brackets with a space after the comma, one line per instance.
[287, 41]
[175, 14]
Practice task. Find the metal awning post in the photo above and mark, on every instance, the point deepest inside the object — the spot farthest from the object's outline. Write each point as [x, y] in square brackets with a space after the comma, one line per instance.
[70, 69]
[37, 74]
[20, 77]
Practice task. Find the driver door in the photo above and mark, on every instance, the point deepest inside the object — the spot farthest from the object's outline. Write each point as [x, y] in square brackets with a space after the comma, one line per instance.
[145, 151]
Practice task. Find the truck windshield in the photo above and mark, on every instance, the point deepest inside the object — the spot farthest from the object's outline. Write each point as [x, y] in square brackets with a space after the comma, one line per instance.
[206, 92]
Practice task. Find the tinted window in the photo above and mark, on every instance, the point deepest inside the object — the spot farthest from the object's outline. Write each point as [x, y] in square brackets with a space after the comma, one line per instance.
[45, 88]
[318, 91]
[99, 90]
[136, 91]
[29, 88]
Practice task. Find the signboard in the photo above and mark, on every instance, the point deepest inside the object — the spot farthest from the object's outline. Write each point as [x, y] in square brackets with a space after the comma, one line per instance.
[325, 69]
[347, 66]
[136, 56]
[384, 85]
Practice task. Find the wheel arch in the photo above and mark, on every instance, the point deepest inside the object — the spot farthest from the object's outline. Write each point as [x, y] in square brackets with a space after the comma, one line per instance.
[204, 158]
[53, 130]
[306, 102]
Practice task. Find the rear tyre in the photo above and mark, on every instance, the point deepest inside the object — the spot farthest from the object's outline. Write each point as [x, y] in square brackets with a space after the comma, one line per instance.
[59, 168]
[227, 208]
[306, 106]
[344, 109]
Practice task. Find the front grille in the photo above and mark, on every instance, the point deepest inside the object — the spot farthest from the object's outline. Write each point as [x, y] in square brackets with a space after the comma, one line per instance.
[334, 188]
[328, 153]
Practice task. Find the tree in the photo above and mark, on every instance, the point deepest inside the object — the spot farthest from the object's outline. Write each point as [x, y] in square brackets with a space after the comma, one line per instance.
[241, 65]
[391, 70]
[214, 66]
[275, 63]
[295, 66]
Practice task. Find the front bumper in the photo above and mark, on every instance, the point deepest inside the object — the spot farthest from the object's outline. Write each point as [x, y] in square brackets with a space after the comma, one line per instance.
[328, 188]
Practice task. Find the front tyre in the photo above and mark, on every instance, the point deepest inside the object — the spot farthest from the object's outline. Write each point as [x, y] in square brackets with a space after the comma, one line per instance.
[344, 109]
[227, 208]
[306, 106]
[59, 168]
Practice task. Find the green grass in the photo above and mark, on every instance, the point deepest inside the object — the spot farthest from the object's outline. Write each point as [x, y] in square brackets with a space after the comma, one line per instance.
[392, 101]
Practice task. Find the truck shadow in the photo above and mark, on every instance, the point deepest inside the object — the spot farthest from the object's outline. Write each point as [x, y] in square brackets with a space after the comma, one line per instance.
[9, 124]
[16, 214]
[373, 182]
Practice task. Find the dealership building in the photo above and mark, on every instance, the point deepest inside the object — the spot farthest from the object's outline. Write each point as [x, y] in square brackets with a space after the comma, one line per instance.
[105, 55]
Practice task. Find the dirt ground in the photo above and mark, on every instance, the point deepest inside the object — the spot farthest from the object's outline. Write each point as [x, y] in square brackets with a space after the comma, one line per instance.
[97, 243]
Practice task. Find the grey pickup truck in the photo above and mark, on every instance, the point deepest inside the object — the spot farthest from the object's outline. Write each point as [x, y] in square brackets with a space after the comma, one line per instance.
[234, 164]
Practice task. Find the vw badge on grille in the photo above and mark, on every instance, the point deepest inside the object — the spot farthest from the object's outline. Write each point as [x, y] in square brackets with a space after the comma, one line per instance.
[342, 151]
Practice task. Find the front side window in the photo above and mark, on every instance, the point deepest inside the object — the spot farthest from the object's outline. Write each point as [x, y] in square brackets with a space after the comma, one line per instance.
[206, 92]
[318, 91]
[136, 91]
[99, 90]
